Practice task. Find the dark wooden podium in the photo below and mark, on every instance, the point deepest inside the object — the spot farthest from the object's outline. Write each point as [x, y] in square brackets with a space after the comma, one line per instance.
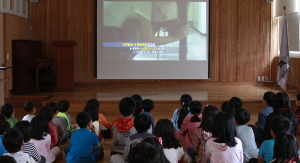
[64, 65]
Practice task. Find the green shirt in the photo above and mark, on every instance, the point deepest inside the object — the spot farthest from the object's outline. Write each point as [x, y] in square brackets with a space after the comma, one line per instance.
[12, 121]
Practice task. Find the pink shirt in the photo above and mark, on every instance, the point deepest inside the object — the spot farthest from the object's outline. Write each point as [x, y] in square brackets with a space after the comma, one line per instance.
[221, 153]
[53, 133]
[43, 147]
[187, 132]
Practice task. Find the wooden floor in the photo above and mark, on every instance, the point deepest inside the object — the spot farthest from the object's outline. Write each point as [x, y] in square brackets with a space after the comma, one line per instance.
[165, 96]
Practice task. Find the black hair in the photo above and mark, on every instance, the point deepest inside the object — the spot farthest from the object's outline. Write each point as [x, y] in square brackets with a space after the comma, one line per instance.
[228, 107]
[280, 124]
[286, 148]
[26, 129]
[282, 100]
[269, 98]
[139, 108]
[137, 97]
[53, 106]
[46, 112]
[2, 117]
[237, 102]
[185, 100]
[196, 109]
[12, 140]
[154, 141]
[63, 105]
[142, 123]
[148, 105]
[7, 159]
[4, 125]
[28, 106]
[241, 116]
[40, 127]
[83, 119]
[298, 97]
[224, 129]
[144, 153]
[92, 109]
[127, 106]
[165, 129]
[208, 117]
[93, 101]
[7, 109]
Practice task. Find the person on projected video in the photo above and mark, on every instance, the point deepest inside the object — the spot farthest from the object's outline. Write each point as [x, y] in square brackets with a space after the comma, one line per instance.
[141, 21]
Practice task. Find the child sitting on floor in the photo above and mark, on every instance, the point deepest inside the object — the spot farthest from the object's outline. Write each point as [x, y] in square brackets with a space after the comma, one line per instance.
[13, 141]
[181, 113]
[228, 107]
[8, 110]
[4, 125]
[29, 148]
[47, 112]
[123, 126]
[30, 109]
[148, 105]
[84, 145]
[237, 102]
[63, 107]
[105, 131]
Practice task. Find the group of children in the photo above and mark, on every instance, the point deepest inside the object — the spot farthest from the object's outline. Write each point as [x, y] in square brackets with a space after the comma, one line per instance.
[192, 135]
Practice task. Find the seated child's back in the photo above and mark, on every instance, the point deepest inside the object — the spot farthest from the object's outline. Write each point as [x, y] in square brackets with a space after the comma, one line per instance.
[123, 126]
[8, 110]
[4, 125]
[30, 109]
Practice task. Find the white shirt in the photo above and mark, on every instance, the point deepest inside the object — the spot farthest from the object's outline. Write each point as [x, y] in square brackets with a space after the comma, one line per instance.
[28, 118]
[174, 155]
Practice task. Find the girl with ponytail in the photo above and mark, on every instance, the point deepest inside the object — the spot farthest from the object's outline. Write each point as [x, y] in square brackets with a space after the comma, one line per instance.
[190, 125]
[181, 113]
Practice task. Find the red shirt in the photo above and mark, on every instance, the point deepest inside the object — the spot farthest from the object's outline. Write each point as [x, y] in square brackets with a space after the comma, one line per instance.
[53, 134]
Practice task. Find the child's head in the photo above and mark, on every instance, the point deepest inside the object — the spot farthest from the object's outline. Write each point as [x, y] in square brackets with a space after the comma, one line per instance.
[139, 108]
[29, 107]
[148, 105]
[142, 123]
[269, 98]
[3, 117]
[53, 106]
[286, 148]
[298, 99]
[12, 140]
[241, 116]
[92, 109]
[280, 124]
[208, 117]
[282, 101]
[196, 109]
[7, 159]
[4, 125]
[185, 99]
[154, 141]
[93, 101]
[228, 107]
[165, 129]
[8, 110]
[63, 105]
[46, 112]
[224, 129]
[127, 106]
[25, 128]
[237, 102]
[40, 127]
[144, 153]
[84, 119]
[137, 97]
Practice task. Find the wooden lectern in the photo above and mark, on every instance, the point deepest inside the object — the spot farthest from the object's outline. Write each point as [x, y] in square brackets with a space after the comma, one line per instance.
[64, 65]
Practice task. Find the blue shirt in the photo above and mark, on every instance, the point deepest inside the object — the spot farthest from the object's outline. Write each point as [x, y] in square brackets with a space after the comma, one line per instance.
[81, 146]
[2, 149]
[175, 118]
[266, 150]
[262, 116]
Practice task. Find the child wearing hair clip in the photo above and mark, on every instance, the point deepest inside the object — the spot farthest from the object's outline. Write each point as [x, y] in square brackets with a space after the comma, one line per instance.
[181, 113]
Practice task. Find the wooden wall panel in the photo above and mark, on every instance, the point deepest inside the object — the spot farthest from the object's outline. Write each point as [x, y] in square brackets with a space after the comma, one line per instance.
[239, 29]
[14, 27]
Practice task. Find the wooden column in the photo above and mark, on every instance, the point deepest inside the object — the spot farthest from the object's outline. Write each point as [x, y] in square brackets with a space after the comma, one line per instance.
[64, 65]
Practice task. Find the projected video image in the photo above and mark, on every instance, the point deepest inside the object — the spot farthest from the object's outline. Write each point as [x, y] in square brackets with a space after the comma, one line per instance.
[146, 31]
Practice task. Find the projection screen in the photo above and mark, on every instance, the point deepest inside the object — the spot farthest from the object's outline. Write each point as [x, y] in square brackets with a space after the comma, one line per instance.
[152, 39]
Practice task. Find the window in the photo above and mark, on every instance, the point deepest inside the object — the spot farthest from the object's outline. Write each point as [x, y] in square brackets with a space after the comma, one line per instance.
[15, 7]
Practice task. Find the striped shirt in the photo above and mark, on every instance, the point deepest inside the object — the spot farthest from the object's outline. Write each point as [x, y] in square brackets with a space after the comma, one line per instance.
[30, 149]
